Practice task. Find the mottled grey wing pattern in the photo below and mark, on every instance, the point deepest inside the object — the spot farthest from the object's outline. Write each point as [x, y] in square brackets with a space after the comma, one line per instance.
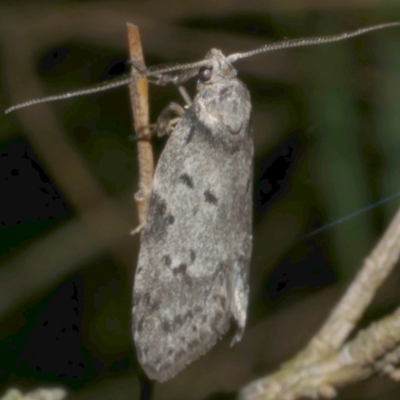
[192, 273]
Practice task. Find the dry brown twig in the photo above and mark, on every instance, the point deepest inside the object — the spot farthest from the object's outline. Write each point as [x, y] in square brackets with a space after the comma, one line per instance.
[140, 108]
[328, 362]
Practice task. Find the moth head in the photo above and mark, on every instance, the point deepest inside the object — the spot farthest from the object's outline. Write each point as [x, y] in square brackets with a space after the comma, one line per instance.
[218, 68]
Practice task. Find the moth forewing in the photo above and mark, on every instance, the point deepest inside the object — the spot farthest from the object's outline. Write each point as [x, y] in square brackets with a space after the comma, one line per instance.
[192, 273]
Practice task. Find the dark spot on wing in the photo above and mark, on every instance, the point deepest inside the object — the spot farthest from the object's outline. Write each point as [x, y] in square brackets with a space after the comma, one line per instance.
[158, 220]
[190, 135]
[181, 269]
[149, 303]
[178, 321]
[210, 197]
[187, 180]
[218, 320]
[139, 326]
[154, 306]
[170, 352]
[159, 206]
[166, 260]
[146, 299]
[220, 299]
[136, 299]
[193, 344]
[192, 255]
[170, 219]
[222, 266]
[166, 326]
[139, 270]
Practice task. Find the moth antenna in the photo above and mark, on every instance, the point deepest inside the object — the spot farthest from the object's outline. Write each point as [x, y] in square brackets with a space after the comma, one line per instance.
[301, 42]
[164, 69]
[158, 71]
[124, 80]
[284, 44]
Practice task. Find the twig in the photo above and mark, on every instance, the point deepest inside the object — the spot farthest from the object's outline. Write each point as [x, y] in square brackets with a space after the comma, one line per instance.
[326, 363]
[139, 99]
[361, 292]
[140, 108]
[375, 349]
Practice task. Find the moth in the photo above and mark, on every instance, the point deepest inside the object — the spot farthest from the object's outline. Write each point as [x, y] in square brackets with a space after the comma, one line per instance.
[192, 272]
[191, 279]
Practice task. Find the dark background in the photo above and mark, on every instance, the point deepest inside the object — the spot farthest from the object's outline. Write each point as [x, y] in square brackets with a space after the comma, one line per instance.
[326, 128]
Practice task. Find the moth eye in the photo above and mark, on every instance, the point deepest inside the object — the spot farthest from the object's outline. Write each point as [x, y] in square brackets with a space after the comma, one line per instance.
[205, 74]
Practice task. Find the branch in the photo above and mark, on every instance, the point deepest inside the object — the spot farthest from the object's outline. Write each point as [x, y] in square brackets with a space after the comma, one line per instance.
[361, 292]
[376, 349]
[140, 108]
[326, 363]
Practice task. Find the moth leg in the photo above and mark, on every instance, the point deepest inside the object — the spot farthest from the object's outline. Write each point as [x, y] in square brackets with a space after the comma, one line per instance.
[185, 95]
[138, 229]
[165, 124]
